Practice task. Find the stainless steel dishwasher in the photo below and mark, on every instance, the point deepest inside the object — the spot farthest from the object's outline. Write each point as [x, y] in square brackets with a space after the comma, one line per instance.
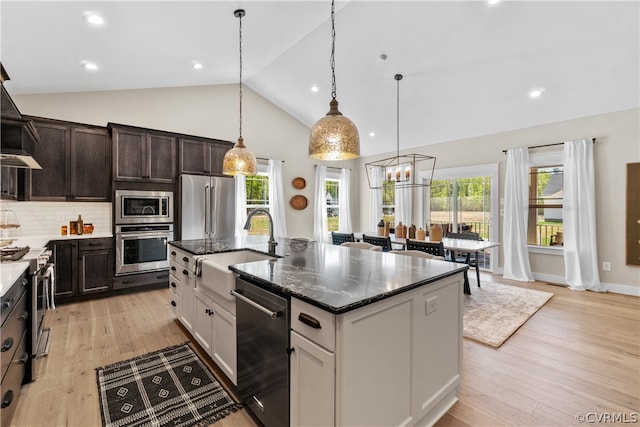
[262, 323]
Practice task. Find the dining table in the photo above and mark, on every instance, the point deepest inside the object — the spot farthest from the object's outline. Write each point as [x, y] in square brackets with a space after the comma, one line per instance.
[451, 245]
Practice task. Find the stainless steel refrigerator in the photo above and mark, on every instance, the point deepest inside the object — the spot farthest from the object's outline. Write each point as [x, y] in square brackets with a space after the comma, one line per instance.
[207, 207]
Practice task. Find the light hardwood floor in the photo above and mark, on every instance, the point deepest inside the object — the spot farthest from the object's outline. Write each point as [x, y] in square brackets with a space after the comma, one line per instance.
[579, 354]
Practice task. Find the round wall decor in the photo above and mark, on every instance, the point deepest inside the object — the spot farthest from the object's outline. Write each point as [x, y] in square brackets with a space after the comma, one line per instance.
[299, 202]
[299, 183]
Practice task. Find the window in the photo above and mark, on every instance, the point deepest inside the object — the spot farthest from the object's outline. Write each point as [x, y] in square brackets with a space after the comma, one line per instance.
[332, 192]
[388, 203]
[545, 227]
[257, 187]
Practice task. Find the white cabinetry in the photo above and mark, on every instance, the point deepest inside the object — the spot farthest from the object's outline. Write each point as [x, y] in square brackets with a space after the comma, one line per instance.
[394, 362]
[181, 284]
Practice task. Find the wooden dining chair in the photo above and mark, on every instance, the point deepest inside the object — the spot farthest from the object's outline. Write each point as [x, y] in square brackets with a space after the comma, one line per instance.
[340, 238]
[384, 242]
[469, 258]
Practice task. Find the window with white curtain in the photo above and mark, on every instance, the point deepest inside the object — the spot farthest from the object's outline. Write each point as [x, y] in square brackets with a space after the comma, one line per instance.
[545, 227]
[257, 187]
[332, 186]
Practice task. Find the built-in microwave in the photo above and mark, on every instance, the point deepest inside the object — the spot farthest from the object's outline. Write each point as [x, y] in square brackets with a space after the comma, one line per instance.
[143, 207]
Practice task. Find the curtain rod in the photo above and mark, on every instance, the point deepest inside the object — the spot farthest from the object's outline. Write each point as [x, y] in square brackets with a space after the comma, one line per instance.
[548, 145]
[333, 167]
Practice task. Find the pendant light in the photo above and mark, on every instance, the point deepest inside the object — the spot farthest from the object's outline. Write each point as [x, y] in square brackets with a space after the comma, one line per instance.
[334, 137]
[401, 171]
[239, 160]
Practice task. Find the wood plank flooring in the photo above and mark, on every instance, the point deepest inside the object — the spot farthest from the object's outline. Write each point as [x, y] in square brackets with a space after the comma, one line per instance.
[579, 354]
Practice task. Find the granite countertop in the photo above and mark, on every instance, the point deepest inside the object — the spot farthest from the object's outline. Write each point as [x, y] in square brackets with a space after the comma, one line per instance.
[335, 278]
[9, 272]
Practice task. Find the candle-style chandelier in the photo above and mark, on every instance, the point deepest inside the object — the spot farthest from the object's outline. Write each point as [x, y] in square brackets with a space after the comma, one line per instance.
[401, 170]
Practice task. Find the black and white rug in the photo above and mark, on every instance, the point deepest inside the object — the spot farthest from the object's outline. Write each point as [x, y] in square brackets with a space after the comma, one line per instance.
[171, 386]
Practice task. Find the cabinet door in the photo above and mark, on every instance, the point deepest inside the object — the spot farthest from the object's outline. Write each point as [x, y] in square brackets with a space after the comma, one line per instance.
[52, 153]
[129, 155]
[9, 183]
[312, 383]
[65, 258]
[187, 283]
[194, 157]
[90, 165]
[223, 349]
[95, 271]
[203, 320]
[218, 150]
[161, 158]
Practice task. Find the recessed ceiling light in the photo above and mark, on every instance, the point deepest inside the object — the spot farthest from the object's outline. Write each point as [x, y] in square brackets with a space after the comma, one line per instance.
[89, 66]
[492, 2]
[314, 88]
[372, 134]
[93, 18]
[197, 66]
[536, 92]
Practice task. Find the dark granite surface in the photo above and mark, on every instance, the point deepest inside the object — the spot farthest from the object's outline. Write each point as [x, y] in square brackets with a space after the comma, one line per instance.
[334, 278]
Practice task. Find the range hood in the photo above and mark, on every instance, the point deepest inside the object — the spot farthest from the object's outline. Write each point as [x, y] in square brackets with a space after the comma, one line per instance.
[19, 136]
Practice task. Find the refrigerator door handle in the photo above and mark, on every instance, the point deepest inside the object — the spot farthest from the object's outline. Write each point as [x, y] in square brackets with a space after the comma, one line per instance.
[207, 212]
[212, 201]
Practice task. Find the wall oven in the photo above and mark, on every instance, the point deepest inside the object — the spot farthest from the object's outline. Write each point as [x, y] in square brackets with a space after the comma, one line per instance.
[142, 248]
[143, 207]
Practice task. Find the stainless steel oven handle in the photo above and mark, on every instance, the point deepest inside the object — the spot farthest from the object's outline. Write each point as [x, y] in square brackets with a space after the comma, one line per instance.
[150, 234]
[271, 314]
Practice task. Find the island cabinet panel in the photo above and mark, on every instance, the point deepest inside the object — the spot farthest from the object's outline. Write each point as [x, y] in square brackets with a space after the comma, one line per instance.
[397, 361]
[95, 265]
[223, 346]
[143, 156]
[202, 322]
[65, 258]
[202, 156]
[75, 160]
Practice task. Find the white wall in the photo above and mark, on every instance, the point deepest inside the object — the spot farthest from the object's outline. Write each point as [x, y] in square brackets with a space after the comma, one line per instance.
[618, 143]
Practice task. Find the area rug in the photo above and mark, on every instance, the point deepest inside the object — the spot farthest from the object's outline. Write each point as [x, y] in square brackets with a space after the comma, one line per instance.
[171, 386]
[494, 312]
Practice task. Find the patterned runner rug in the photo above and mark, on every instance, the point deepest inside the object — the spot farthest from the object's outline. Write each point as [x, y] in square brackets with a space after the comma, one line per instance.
[171, 386]
[494, 312]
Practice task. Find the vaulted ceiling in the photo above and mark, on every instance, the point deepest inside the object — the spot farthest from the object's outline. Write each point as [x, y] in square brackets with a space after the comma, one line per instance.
[468, 66]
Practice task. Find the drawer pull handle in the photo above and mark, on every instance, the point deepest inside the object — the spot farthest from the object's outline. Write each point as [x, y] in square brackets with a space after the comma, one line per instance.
[8, 303]
[185, 272]
[173, 285]
[24, 315]
[24, 359]
[309, 321]
[173, 253]
[185, 259]
[7, 344]
[95, 243]
[173, 268]
[162, 276]
[8, 398]
[173, 303]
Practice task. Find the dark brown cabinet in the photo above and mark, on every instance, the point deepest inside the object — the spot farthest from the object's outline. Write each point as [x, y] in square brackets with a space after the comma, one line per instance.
[9, 182]
[75, 160]
[83, 267]
[202, 156]
[143, 155]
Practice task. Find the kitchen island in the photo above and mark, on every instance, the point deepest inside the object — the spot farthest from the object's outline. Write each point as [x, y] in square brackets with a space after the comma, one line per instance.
[375, 338]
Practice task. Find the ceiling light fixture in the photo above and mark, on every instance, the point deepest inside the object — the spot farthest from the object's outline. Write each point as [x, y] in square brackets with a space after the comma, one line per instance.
[537, 92]
[401, 171]
[89, 66]
[93, 18]
[197, 66]
[334, 137]
[239, 160]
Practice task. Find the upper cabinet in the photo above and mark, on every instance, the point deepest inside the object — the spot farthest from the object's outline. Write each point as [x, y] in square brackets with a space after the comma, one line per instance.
[143, 155]
[202, 156]
[75, 160]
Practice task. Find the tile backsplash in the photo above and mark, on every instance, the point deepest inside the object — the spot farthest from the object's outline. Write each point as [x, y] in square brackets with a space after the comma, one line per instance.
[45, 218]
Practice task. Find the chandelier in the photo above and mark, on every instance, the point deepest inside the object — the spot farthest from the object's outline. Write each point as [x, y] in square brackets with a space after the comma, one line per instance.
[400, 171]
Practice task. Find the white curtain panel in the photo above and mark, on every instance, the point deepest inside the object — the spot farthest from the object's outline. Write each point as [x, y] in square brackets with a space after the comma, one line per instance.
[241, 205]
[276, 198]
[402, 201]
[344, 213]
[579, 217]
[516, 211]
[320, 225]
[376, 199]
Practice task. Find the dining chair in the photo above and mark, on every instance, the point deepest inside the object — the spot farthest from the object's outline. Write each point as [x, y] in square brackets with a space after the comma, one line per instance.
[340, 238]
[362, 245]
[470, 258]
[432, 248]
[413, 252]
[383, 242]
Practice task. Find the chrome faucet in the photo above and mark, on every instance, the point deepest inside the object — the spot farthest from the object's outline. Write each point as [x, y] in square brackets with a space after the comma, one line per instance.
[272, 242]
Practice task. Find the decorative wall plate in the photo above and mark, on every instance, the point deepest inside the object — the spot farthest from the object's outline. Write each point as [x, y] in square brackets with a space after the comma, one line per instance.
[299, 183]
[299, 202]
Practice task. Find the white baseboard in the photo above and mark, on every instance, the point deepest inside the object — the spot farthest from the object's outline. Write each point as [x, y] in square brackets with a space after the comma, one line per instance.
[616, 288]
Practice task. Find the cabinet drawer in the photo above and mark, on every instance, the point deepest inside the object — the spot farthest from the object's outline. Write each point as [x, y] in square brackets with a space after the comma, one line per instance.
[11, 298]
[12, 382]
[314, 323]
[174, 304]
[12, 331]
[175, 286]
[181, 258]
[94, 244]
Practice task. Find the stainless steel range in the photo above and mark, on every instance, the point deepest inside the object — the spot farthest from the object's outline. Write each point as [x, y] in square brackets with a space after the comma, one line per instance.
[41, 294]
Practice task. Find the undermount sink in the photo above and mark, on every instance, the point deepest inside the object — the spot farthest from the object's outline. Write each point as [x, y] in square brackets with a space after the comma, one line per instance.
[216, 275]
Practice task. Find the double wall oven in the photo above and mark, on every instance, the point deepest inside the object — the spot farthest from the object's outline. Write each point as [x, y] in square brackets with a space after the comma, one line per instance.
[143, 230]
